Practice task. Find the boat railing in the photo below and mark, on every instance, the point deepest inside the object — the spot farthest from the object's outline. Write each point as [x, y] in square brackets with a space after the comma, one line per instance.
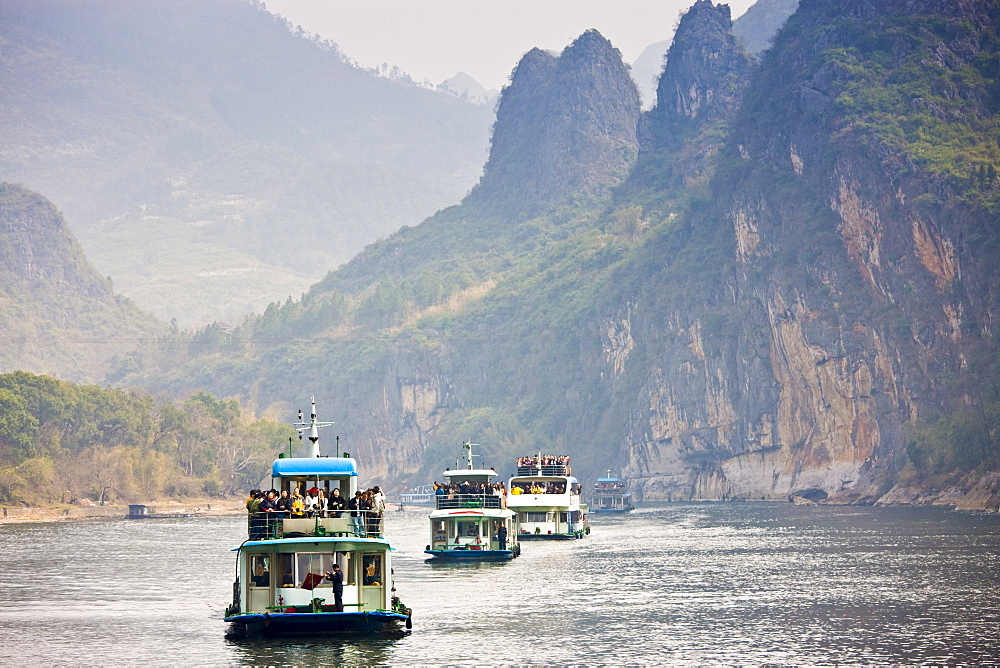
[546, 469]
[456, 501]
[273, 525]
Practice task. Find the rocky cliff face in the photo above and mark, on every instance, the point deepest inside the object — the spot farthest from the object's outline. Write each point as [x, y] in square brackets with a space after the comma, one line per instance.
[565, 125]
[808, 277]
[848, 305]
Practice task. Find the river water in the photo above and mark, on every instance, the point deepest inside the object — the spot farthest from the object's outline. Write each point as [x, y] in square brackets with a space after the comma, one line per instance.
[680, 583]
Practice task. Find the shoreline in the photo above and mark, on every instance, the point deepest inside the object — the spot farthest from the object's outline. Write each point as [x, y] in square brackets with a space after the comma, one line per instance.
[68, 513]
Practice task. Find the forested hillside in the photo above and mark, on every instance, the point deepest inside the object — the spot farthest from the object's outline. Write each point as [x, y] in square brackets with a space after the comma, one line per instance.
[65, 443]
[782, 280]
[210, 157]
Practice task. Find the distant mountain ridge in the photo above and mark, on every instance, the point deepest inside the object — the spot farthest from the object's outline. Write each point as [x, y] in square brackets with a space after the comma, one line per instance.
[208, 158]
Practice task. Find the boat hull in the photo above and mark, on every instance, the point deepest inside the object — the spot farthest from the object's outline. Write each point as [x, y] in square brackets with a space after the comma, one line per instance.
[611, 511]
[551, 536]
[471, 555]
[318, 623]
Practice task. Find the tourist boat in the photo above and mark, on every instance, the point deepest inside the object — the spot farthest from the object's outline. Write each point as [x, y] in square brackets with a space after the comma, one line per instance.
[547, 500]
[420, 495]
[281, 586]
[138, 511]
[611, 495]
[467, 520]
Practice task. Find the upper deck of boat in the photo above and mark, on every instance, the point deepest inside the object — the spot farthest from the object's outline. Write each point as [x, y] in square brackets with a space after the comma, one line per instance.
[486, 500]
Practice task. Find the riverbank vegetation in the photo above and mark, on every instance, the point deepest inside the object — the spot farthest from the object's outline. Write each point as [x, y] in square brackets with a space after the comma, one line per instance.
[67, 443]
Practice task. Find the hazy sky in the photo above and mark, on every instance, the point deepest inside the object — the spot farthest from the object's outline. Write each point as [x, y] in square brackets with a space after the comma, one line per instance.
[435, 39]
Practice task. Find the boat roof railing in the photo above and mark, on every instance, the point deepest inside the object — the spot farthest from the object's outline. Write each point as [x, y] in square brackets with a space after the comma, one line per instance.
[549, 469]
[544, 478]
[458, 501]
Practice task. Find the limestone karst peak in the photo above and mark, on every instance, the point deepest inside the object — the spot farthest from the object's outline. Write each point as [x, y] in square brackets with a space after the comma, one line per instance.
[565, 124]
[706, 68]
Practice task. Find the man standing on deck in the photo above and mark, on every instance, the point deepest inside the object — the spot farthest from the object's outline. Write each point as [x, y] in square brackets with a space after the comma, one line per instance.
[502, 537]
[336, 503]
[357, 514]
[337, 578]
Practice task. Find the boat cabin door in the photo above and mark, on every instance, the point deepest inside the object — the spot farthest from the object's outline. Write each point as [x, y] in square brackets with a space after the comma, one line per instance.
[373, 579]
[259, 583]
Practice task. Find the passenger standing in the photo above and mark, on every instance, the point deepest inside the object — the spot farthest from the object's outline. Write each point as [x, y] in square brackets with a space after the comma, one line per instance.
[319, 507]
[337, 578]
[357, 521]
[284, 504]
[336, 503]
[368, 512]
[310, 501]
[502, 537]
[378, 508]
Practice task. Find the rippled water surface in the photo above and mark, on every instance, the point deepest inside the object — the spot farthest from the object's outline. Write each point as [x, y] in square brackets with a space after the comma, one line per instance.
[683, 583]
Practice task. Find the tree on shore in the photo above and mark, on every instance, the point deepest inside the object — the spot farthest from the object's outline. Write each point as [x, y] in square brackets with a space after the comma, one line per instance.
[65, 442]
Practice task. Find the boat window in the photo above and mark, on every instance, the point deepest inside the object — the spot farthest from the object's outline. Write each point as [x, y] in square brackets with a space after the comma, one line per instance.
[469, 529]
[345, 559]
[373, 569]
[438, 530]
[260, 570]
[286, 570]
[315, 564]
[536, 517]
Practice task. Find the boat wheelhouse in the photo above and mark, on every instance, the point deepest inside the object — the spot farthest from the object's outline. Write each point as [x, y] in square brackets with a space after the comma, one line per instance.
[470, 521]
[285, 581]
[611, 495]
[546, 498]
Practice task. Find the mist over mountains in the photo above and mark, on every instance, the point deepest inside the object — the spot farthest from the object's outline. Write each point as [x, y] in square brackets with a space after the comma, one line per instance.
[211, 160]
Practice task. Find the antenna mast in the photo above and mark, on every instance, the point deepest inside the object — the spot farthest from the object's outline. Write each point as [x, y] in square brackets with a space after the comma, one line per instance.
[312, 427]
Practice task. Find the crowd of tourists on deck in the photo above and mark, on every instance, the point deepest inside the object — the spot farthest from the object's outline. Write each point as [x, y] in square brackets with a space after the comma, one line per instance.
[538, 487]
[543, 460]
[616, 486]
[459, 490]
[365, 509]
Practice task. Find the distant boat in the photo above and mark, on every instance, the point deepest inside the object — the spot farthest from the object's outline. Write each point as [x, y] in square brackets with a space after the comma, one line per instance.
[547, 499]
[423, 494]
[282, 585]
[473, 524]
[137, 511]
[611, 495]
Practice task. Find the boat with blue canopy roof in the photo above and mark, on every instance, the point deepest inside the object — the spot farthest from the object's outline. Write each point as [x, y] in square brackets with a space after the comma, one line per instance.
[611, 495]
[323, 572]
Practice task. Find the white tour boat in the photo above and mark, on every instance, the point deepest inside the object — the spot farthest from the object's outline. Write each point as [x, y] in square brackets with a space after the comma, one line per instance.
[546, 498]
[285, 570]
[611, 495]
[470, 521]
[420, 495]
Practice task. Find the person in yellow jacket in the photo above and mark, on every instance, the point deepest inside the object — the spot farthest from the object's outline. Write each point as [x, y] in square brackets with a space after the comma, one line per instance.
[298, 505]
